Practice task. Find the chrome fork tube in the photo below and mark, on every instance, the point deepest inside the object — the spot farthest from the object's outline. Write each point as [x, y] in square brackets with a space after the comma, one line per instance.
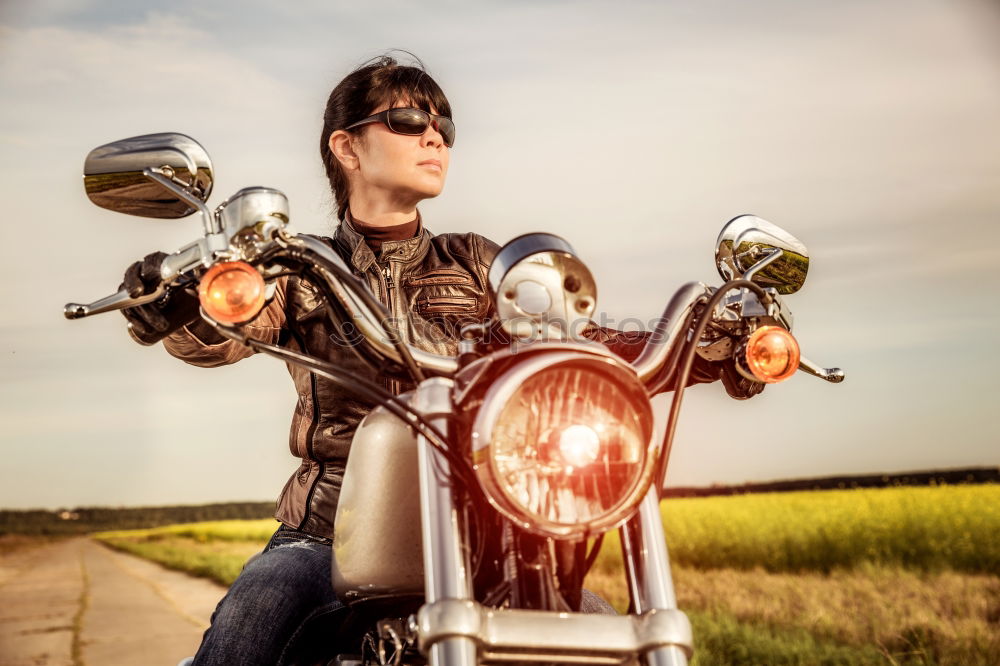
[647, 567]
[446, 565]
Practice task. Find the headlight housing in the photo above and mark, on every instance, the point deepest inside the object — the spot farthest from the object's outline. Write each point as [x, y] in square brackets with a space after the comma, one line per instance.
[562, 444]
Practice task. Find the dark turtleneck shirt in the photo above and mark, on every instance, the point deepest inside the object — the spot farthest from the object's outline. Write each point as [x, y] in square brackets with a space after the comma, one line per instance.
[375, 236]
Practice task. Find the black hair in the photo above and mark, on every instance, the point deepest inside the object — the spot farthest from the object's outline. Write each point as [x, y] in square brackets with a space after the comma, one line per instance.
[379, 81]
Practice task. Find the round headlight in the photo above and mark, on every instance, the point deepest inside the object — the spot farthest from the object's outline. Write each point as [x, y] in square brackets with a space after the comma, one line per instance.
[563, 445]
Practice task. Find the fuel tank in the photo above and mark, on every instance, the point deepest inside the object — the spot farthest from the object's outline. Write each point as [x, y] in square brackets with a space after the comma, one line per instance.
[377, 546]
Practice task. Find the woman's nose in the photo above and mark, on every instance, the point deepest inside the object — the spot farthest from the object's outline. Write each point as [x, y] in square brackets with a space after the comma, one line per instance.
[432, 135]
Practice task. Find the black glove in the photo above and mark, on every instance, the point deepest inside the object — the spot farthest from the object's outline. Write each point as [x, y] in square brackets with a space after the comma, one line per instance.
[737, 386]
[154, 321]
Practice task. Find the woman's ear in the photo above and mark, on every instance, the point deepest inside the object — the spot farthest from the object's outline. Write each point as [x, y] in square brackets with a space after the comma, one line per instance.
[342, 147]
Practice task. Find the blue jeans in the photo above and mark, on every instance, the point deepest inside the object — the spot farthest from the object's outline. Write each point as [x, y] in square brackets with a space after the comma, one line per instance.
[276, 592]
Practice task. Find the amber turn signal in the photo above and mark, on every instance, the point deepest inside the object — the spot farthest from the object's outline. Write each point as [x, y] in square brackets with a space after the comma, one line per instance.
[772, 354]
[231, 292]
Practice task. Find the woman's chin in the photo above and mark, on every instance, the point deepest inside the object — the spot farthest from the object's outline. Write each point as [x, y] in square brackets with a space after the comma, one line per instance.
[430, 189]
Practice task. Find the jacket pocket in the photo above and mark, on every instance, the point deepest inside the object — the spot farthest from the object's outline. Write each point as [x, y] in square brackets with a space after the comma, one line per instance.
[431, 305]
[439, 276]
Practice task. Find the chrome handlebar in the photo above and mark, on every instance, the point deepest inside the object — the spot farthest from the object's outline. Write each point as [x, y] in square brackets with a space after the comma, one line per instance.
[368, 322]
[671, 324]
[650, 361]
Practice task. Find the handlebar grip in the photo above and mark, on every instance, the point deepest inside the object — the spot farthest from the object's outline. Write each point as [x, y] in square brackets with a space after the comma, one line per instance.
[179, 262]
[118, 301]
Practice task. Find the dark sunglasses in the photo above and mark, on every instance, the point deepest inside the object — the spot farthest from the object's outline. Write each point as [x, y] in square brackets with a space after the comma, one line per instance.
[412, 122]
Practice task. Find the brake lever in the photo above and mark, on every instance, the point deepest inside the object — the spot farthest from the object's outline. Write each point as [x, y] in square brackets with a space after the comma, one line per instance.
[832, 375]
[118, 301]
[173, 265]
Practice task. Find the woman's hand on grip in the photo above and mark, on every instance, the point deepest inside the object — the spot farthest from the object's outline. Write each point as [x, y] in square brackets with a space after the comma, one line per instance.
[154, 321]
[737, 386]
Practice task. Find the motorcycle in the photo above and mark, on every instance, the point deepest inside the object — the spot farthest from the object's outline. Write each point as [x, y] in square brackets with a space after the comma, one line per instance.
[528, 445]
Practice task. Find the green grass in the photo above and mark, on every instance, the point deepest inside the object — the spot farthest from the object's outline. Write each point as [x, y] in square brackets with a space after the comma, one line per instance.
[916, 617]
[902, 575]
[722, 639]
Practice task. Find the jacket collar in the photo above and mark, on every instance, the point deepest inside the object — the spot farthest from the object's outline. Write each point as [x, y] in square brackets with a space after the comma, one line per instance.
[362, 257]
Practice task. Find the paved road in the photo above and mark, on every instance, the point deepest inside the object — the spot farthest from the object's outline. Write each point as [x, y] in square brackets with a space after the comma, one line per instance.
[78, 603]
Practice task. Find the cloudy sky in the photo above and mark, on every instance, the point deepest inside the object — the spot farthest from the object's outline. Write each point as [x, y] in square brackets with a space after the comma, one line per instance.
[870, 130]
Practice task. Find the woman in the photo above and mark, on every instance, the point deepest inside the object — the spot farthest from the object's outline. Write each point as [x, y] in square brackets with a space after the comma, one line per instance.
[385, 144]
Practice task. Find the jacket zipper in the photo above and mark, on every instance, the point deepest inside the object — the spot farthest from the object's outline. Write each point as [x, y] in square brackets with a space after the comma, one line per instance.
[387, 274]
[309, 446]
[391, 385]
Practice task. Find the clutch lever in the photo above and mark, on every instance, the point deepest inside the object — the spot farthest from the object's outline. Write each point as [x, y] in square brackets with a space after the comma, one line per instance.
[832, 375]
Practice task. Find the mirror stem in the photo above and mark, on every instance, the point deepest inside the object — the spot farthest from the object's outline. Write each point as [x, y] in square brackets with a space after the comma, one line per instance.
[211, 226]
[762, 263]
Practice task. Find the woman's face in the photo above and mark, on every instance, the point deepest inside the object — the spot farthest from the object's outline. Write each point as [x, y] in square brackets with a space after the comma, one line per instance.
[399, 167]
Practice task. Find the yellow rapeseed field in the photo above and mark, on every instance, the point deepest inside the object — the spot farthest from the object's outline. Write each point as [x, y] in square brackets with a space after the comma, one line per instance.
[926, 528]
[219, 530]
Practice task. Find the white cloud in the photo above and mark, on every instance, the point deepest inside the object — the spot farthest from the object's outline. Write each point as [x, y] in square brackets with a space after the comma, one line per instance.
[161, 70]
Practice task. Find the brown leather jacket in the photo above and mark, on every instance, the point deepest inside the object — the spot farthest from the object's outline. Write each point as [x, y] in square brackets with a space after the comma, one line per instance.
[431, 285]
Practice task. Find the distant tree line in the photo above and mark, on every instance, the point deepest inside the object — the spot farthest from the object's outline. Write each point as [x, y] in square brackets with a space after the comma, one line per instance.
[926, 478]
[95, 519]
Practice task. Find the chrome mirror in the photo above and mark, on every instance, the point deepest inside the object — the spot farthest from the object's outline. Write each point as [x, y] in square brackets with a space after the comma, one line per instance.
[542, 289]
[155, 175]
[752, 248]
